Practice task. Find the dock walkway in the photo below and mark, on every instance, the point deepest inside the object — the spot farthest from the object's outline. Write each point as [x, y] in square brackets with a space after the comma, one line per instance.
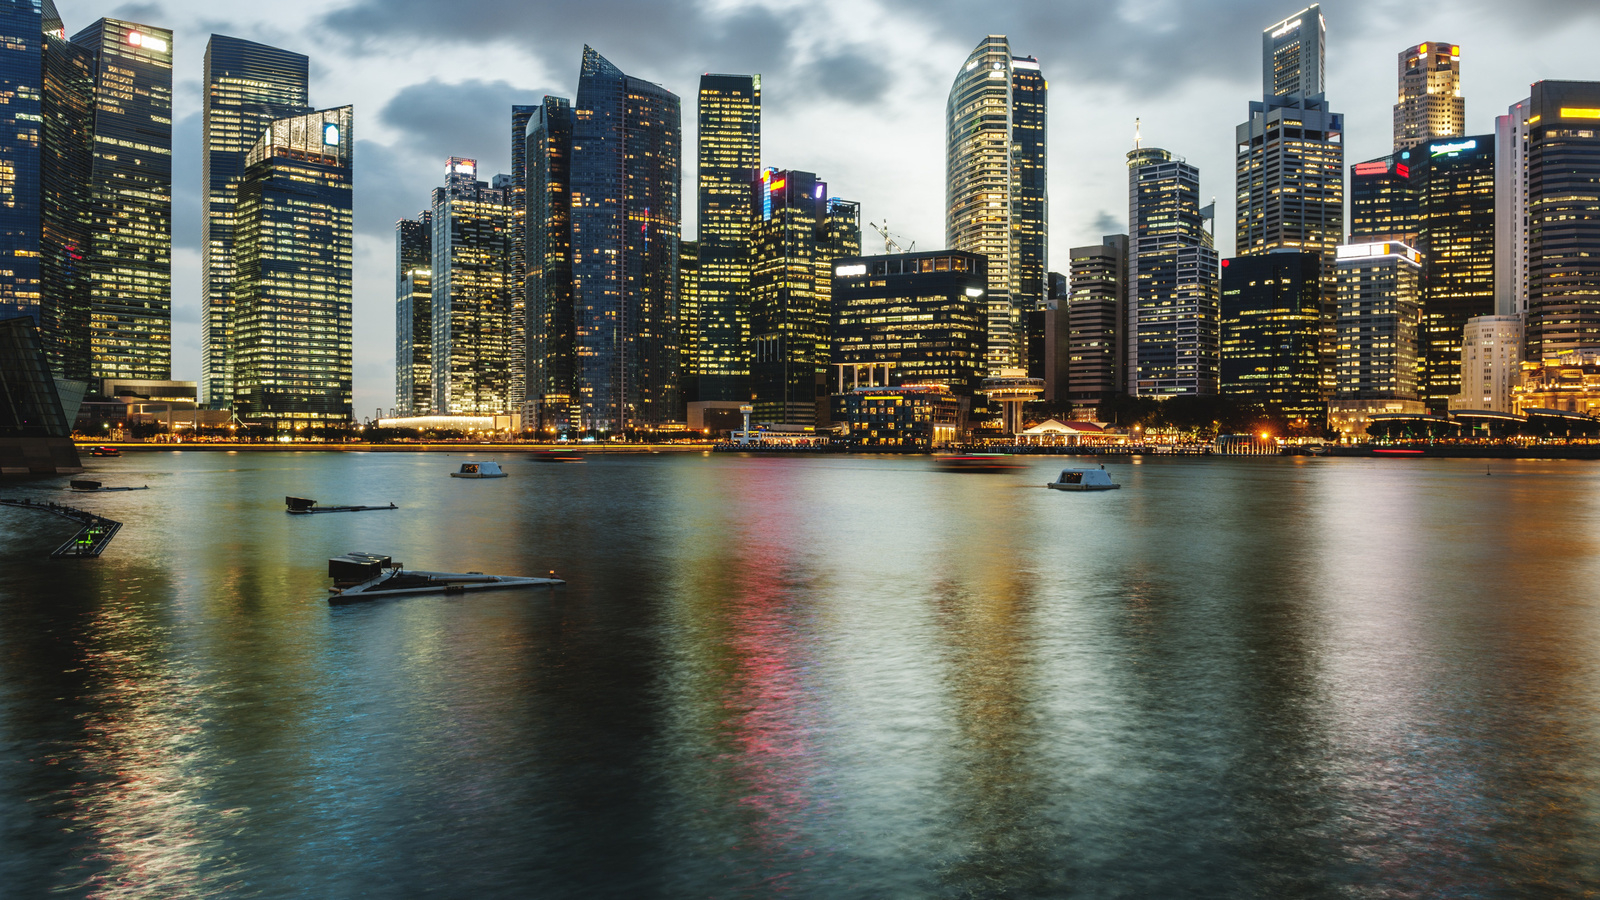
[91, 540]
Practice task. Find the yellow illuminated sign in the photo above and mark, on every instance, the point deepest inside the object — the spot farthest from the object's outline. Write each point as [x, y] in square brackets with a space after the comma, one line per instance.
[1568, 112]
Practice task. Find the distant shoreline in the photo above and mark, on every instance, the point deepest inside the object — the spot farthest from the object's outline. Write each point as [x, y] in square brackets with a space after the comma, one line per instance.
[438, 447]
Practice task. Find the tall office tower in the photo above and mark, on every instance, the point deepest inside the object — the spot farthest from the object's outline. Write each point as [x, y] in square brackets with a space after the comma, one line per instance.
[1383, 200]
[1272, 333]
[413, 315]
[472, 295]
[21, 83]
[994, 183]
[1456, 197]
[1290, 159]
[688, 316]
[1430, 105]
[247, 86]
[1380, 316]
[729, 159]
[1511, 135]
[66, 160]
[799, 232]
[1057, 338]
[129, 262]
[1491, 363]
[1172, 280]
[294, 233]
[517, 336]
[1563, 257]
[1097, 307]
[626, 146]
[552, 354]
[921, 314]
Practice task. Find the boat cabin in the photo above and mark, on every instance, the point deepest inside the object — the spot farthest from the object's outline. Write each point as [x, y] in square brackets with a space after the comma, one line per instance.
[479, 470]
[1096, 479]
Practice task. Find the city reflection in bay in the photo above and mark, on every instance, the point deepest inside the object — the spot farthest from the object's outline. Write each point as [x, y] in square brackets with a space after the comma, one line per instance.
[822, 676]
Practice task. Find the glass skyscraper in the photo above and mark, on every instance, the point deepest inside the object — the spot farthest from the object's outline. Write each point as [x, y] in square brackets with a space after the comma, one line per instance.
[729, 160]
[1095, 309]
[1456, 198]
[413, 315]
[920, 313]
[22, 84]
[1561, 169]
[1172, 280]
[1272, 333]
[66, 160]
[552, 359]
[129, 262]
[247, 86]
[292, 257]
[798, 234]
[473, 297]
[626, 149]
[995, 178]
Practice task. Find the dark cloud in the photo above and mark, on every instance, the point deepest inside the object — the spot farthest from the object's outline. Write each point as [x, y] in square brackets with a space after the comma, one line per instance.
[1106, 223]
[144, 13]
[392, 185]
[849, 75]
[466, 118]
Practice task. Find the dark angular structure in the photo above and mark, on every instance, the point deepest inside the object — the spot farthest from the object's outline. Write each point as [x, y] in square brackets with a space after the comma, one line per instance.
[1272, 332]
[35, 436]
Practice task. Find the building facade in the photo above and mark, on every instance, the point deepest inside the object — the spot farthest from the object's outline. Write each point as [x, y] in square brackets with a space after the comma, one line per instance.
[551, 324]
[247, 86]
[1430, 106]
[413, 315]
[65, 165]
[473, 339]
[911, 417]
[22, 83]
[129, 259]
[920, 314]
[294, 234]
[1172, 325]
[798, 234]
[627, 146]
[1383, 200]
[1491, 363]
[1096, 313]
[1456, 200]
[688, 316]
[1377, 366]
[1563, 254]
[729, 158]
[1272, 333]
[995, 176]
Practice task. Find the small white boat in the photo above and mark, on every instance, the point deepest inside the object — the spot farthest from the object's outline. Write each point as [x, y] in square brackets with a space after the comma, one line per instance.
[479, 470]
[358, 577]
[1083, 480]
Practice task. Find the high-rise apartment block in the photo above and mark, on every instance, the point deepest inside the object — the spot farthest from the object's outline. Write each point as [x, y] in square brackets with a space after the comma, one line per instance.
[1272, 333]
[247, 86]
[1430, 105]
[129, 258]
[293, 238]
[920, 314]
[626, 150]
[1096, 309]
[473, 339]
[413, 315]
[798, 234]
[1172, 324]
[729, 160]
[995, 177]
[1380, 316]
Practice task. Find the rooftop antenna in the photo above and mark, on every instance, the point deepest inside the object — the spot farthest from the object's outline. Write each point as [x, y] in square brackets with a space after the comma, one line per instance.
[889, 243]
[1136, 133]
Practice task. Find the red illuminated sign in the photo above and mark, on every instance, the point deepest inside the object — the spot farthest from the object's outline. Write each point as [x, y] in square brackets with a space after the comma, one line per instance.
[1372, 168]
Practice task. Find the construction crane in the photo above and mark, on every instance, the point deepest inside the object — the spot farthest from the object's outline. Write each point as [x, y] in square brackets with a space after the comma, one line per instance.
[890, 245]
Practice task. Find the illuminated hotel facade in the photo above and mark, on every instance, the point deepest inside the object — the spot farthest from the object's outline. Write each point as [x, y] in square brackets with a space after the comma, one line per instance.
[247, 86]
[294, 232]
[413, 315]
[129, 258]
[798, 235]
[1430, 105]
[995, 185]
[729, 159]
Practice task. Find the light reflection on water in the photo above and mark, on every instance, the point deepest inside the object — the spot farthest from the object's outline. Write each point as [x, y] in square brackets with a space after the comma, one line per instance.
[827, 677]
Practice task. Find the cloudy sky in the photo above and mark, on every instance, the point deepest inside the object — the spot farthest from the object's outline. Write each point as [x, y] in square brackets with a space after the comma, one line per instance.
[851, 89]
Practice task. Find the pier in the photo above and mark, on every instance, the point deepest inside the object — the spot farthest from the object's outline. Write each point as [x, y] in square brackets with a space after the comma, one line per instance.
[91, 540]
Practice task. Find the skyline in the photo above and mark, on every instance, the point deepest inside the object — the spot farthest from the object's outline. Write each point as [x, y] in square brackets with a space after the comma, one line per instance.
[872, 118]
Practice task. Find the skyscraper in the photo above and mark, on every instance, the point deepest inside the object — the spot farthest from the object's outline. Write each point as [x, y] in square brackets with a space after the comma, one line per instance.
[729, 160]
[129, 259]
[247, 86]
[1563, 253]
[413, 315]
[626, 149]
[1430, 105]
[294, 233]
[1380, 316]
[1272, 332]
[688, 311]
[1290, 159]
[472, 295]
[66, 159]
[552, 354]
[919, 313]
[1172, 339]
[995, 178]
[798, 234]
[21, 82]
[1096, 309]
[1456, 198]
[1383, 199]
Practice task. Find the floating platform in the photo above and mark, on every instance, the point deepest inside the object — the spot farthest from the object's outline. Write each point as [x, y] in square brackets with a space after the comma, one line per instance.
[359, 577]
[300, 506]
[90, 541]
[83, 486]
